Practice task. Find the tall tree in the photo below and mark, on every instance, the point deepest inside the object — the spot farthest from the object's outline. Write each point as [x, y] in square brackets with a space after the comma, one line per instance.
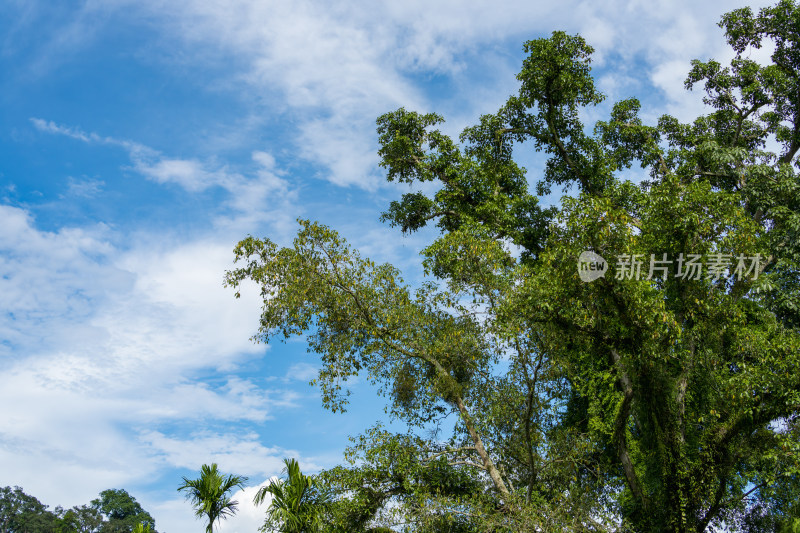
[296, 504]
[210, 494]
[114, 511]
[661, 396]
[20, 512]
[122, 511]
[80, 519]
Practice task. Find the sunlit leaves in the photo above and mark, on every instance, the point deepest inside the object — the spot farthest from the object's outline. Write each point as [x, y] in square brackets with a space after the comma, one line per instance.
[657, 401]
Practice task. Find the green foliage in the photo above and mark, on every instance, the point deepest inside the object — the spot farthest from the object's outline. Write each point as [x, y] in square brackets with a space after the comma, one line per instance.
[20, 512]
[400, 478]
[209, 494]
[82, 519]
[661, 404]
[297, 503]
[142, 527]
[114, 511]
[122, 511]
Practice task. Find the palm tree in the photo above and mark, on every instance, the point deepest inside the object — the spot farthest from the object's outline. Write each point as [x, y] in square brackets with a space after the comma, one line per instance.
[209, 494]
[297, 502]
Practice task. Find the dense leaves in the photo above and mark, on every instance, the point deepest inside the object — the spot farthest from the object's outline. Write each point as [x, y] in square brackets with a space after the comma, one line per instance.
[114, 511]
[662, 397]
[122, 511]
[20, 512]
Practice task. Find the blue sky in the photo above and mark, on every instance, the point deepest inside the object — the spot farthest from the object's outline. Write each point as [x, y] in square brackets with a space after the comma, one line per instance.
[139, 141]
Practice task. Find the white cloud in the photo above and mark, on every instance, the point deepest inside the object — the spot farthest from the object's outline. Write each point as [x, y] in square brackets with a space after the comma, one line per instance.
[233, 453]
[85, 188]
[266, 197]
[302, 372]
[190, 174]
[173, 516]
[43, 287]
[187, 173]
[49, 126]
[338, 66]
[249, 517]
[103, 343]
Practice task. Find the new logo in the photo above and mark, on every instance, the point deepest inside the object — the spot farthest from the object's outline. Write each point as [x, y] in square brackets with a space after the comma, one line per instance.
[591, 266]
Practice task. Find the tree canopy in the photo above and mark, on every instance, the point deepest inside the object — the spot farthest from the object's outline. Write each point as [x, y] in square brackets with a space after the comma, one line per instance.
[122, 511]
[115, 511]
[658, 394]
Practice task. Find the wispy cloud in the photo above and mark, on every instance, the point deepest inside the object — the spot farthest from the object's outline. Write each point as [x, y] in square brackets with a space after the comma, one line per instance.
[85, 188]
[302, 372]
[261, 197]
[338, 66]
[49, 126]
[44, 287]
[100, 342]
[192, 175]
[249, 517]
[232, 452]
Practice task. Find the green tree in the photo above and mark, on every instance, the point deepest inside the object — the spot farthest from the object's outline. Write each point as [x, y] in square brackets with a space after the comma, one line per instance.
[20, 512]
[296, 503]
[210, 494]
[660, 402]
[121, 510]
[404, 470]
[80, 519]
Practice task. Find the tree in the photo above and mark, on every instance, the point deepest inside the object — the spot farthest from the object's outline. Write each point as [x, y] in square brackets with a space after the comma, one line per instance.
[209, 494]
[405, 471]
[296, 503]
[142, 527]
[80, 519]
[657, 398]
[20, 512]
[122, 510]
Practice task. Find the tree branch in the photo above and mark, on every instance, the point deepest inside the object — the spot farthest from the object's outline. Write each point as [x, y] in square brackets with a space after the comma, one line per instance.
[620, 433]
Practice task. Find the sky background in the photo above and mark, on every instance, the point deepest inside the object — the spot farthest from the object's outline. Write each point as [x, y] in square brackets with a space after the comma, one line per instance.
[140, 140]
